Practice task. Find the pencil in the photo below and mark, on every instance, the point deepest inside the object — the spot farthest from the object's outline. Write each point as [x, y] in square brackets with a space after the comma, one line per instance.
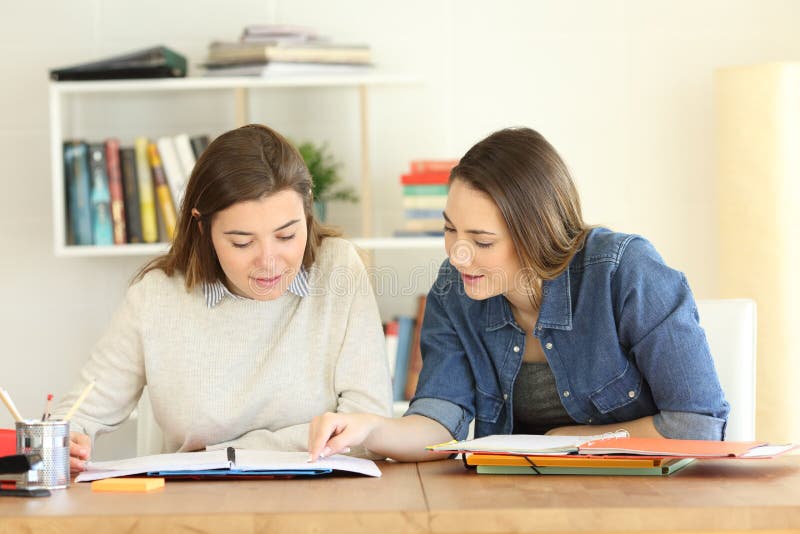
[10, 405]
[79, 401]
[46, 413]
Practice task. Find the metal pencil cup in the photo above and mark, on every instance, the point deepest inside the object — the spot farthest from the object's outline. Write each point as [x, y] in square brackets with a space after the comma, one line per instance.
[49, 439]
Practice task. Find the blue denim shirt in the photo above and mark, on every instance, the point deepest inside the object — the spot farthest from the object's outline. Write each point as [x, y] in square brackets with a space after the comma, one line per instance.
[619, 329]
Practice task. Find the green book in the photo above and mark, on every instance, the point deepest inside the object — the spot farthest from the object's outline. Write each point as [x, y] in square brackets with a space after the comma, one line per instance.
[667, 468]
[416, 190]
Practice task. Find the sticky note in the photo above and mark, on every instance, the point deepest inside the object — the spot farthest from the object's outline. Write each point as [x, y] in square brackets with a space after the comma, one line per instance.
[134, 485]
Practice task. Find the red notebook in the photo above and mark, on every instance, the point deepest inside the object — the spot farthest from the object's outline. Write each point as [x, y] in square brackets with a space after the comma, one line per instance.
[8, 442]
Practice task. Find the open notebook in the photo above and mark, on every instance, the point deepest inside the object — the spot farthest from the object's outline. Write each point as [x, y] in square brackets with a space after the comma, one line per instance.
[617, 443]
[227, 462]
[523, 444]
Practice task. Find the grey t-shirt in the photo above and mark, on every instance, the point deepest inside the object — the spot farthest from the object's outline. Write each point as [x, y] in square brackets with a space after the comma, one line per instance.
[537, 406]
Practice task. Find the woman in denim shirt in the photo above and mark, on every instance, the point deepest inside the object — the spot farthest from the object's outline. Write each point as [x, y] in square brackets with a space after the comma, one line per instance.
[538, 323]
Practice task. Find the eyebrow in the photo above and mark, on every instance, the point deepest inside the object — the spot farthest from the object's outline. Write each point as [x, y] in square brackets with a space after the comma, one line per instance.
[278, 229]
[477, 232]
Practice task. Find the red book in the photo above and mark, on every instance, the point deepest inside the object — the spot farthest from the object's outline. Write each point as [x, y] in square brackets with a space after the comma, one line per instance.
[433, 165]
[426, 178]
[115, 190]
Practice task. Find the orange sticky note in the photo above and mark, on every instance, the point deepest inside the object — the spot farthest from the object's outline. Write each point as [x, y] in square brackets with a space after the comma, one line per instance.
[134, 485]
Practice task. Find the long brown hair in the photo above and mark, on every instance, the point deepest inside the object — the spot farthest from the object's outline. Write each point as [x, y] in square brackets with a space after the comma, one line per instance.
[247, 163]
[531, 185]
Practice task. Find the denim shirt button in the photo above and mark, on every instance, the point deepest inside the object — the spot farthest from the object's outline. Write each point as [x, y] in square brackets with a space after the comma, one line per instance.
[516, 348]
[631, 394]
[505, 396]
[589, 420]
[566, 393]
[548, 346]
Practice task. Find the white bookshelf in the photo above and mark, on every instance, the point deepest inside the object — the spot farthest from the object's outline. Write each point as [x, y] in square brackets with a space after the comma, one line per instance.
[239, 88]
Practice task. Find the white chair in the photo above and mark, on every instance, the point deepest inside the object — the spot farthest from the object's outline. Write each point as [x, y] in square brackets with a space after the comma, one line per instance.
[730, 327]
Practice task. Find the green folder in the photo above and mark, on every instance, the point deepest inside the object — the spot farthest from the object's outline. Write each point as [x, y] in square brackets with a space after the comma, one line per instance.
[665, 469]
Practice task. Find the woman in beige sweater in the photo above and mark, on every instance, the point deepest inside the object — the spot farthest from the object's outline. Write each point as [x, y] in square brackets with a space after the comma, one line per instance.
[257, 319]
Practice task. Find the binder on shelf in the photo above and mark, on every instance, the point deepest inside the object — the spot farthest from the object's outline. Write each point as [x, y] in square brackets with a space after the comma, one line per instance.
[155, 62]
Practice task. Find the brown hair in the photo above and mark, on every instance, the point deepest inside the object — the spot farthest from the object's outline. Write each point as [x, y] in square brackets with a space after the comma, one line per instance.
[531, 185]
[247, 163]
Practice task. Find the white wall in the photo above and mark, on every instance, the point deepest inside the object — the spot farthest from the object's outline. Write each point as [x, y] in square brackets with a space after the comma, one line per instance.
[621, 88]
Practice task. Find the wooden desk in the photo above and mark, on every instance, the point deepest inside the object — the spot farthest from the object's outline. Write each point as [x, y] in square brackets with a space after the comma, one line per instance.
[440, 497]
[707, 496]
[392, 503]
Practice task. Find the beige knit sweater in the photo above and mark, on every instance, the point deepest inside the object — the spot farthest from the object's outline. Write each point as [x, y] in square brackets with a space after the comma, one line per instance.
[244, 373]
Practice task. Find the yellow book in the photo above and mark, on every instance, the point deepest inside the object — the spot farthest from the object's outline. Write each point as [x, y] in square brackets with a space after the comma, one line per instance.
[147, 202]
[165, 203]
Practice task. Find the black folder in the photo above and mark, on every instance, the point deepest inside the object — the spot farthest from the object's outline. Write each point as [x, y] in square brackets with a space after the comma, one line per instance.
[155, 62]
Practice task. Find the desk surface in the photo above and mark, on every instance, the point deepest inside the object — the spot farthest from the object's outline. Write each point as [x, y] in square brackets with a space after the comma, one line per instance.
[438, 497]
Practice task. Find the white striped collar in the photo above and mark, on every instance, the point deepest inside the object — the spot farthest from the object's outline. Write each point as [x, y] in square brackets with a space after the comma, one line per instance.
[214, 292]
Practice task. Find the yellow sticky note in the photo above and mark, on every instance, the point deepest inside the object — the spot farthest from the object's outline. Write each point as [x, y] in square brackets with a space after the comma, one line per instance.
[134, 485]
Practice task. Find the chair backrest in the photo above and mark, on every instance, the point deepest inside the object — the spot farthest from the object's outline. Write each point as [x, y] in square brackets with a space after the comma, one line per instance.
[149, 439]
[730, 326]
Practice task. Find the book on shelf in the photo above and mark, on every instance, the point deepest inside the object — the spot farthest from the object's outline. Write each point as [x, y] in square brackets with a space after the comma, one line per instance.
[199, 144]
[102, 227]
[154, 62]
[116, 190]
[278, 33]
[130, 186]
[166, 207]
[284, 68]
[432, 165]
[183, 146]
[405, 336]
[227, 463]
[415, 353]
[312, 52]
[424, 202]
[78, 187]
[147, 201]
[425, 178]
[173, 169]
[435, 190]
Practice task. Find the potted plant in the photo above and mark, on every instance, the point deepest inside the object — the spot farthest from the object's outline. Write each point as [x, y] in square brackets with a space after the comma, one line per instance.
[327, 183]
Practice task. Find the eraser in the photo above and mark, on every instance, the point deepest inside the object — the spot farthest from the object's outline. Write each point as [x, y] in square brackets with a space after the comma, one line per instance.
[134, 485]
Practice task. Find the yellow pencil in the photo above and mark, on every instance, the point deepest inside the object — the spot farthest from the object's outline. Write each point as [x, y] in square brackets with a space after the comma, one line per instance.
[10, 405]
[79, 401]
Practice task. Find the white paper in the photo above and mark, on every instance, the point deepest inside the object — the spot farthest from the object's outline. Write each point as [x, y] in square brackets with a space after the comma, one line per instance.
[523, 443]
[246, 460]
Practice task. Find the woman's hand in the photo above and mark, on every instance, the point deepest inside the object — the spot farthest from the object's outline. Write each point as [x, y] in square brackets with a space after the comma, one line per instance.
[80, 448]
[332, 433]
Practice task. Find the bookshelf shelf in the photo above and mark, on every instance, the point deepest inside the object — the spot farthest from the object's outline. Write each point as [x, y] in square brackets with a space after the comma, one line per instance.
[154, 249]
[61, 122]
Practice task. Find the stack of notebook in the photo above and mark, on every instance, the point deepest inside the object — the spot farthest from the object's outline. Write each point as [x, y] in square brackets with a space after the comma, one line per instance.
[608, 454]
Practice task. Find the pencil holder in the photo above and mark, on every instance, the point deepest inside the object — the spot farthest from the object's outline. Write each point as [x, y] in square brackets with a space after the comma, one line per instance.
[49, 439]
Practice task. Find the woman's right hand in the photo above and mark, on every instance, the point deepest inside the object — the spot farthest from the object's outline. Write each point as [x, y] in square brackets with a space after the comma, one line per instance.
[332, 433]
[80, 448]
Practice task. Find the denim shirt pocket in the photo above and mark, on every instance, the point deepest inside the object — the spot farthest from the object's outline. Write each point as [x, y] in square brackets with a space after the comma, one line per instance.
[487, 407]
[620, 392]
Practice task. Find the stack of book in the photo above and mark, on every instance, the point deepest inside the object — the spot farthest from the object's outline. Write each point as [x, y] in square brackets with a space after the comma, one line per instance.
[266, 50]
[424, 197]
[614, 453]
[117, 195]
